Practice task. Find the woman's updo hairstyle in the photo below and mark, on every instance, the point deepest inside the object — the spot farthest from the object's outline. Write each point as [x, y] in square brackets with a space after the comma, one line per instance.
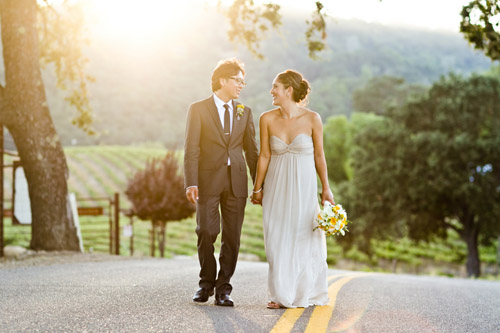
[294, 79]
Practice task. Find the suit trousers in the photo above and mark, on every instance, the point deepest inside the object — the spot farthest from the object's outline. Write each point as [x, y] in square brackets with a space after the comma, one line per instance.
[209, 221]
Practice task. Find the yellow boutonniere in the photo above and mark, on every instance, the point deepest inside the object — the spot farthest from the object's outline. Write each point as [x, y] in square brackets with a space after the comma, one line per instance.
[240, 109]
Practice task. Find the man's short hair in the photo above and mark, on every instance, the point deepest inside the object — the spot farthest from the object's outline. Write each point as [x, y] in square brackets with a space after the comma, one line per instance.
[224, 69]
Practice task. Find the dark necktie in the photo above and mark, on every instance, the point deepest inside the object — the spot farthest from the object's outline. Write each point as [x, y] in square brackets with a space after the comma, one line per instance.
[227, 126]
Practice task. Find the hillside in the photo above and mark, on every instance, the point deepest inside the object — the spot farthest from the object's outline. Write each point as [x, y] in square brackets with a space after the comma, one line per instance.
[142, 91]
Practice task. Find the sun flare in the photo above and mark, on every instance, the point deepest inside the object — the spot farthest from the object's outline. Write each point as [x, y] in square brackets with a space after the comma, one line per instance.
[137, 20]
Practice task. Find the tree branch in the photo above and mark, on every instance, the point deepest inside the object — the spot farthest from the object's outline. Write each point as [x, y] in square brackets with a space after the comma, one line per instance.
[316, 33]
[61, 43]
[482, 32]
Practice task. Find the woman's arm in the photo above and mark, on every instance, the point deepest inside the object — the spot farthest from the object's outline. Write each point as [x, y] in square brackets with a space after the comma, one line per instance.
[263, 161]
[319, 158]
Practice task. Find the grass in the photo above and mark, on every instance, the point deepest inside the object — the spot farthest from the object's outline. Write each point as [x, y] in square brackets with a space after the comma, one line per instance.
[98, 171]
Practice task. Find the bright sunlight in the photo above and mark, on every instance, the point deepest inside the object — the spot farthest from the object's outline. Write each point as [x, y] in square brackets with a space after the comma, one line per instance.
[137, 21]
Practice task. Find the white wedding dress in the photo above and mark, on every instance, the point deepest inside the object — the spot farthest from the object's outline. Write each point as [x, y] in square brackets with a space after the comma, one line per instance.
[296, 254]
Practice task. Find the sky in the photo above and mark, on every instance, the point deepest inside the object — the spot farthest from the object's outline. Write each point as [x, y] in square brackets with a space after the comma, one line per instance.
[429, 14]
[150, 15]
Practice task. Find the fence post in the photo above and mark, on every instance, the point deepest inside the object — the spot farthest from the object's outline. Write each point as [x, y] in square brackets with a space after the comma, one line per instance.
[132, 236]
[1, 191]
[153, 239]
[111, 225]
[117, 223]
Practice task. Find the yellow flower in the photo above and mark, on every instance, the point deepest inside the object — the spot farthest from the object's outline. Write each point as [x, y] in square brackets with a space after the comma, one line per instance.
[240, 108]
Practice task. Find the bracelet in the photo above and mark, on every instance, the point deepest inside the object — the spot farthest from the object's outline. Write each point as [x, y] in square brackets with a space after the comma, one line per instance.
[258, 190]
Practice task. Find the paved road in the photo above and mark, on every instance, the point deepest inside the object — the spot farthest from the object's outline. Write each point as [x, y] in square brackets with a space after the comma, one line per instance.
[151, 295]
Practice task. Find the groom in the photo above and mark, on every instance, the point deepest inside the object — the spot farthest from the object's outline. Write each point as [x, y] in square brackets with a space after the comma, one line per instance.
[218, 131]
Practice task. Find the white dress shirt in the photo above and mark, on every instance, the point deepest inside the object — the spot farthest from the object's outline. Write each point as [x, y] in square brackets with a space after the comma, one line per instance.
[219, 103]
[221, 109]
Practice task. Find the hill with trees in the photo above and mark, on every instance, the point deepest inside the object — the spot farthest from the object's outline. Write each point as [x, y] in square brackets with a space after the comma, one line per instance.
[142, 91]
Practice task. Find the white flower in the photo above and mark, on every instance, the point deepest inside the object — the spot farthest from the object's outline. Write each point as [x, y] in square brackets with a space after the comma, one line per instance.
[328, 209]
[332, 220]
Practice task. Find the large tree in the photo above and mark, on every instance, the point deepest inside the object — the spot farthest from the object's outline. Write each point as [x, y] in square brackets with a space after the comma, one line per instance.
[24, 111]
[338, 136]
[434, 165]
[383, 92]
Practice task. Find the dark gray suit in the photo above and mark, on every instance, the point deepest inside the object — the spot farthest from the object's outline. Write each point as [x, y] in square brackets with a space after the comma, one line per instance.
[206, 153]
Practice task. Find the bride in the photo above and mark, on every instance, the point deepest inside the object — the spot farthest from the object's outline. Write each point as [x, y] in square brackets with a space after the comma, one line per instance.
[291, 153]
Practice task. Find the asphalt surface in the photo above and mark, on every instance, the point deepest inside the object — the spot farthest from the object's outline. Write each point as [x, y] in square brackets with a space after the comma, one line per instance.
[154, 295]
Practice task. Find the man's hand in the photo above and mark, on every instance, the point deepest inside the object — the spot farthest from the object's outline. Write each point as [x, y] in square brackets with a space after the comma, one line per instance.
[256, 198]
[192, 194]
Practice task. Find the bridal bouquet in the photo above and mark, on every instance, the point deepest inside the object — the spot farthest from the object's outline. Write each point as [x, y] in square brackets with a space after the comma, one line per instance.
[332, 220]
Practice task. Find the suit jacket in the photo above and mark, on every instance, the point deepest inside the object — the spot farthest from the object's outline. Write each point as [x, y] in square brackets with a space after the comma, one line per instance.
[206, 151]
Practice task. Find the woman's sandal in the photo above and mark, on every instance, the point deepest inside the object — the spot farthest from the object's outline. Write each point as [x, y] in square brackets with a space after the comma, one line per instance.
[273, 305]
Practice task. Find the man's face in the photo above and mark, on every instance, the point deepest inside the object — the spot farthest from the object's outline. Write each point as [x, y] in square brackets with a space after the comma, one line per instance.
[232, 86]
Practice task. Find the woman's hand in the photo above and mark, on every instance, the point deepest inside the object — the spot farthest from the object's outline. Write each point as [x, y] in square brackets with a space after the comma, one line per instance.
[327, 195]
[256, 198]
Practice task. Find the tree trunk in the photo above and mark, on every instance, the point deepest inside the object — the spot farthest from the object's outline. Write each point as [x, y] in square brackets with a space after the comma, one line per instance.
[24, 110]
[161, 238]
[470, 236]
[153, 238]
[498, 256]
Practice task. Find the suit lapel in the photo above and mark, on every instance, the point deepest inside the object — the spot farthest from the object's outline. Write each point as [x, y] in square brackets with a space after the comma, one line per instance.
[212, 109]
[237, 123]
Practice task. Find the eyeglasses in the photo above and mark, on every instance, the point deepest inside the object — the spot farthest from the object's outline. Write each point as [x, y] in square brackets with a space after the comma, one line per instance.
[239, 81]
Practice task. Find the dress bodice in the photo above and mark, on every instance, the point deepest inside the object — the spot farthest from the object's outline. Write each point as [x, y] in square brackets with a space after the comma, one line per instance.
[301, 144]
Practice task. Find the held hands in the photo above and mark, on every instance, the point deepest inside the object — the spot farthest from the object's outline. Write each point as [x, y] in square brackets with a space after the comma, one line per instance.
[256, 197]
[192, 194]
[327, 195]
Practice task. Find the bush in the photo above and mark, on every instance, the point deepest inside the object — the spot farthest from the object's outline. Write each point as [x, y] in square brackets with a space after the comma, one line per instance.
[157, 194]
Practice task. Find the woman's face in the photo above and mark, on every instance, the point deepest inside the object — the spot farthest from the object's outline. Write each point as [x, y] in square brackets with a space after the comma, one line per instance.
[280, 93]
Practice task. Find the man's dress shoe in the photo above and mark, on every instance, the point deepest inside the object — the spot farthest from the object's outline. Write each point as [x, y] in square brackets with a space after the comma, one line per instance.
[223, 300]
[202, 295]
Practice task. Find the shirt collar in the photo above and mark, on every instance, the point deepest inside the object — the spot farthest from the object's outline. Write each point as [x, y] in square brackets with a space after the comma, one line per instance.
[220, 103]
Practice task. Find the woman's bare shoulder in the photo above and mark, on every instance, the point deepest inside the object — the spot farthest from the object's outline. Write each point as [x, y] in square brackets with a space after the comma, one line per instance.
[269, 115]
[311, 115]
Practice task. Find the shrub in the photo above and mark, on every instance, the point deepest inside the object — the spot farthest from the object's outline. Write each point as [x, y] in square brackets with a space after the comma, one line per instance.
[157, 194]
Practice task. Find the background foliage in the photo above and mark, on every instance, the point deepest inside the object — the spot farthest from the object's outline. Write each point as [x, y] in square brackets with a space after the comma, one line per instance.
[161, 80]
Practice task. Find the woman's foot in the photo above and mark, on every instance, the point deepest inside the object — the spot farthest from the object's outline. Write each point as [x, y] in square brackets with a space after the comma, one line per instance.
[273, 305]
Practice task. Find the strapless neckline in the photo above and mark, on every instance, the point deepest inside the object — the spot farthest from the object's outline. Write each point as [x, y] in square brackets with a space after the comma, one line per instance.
[288, 144]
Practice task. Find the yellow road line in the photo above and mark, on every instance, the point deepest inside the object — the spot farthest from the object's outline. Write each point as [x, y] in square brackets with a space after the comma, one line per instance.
[331, 277]
[287, 320]
[290, 316]
[321, 315]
